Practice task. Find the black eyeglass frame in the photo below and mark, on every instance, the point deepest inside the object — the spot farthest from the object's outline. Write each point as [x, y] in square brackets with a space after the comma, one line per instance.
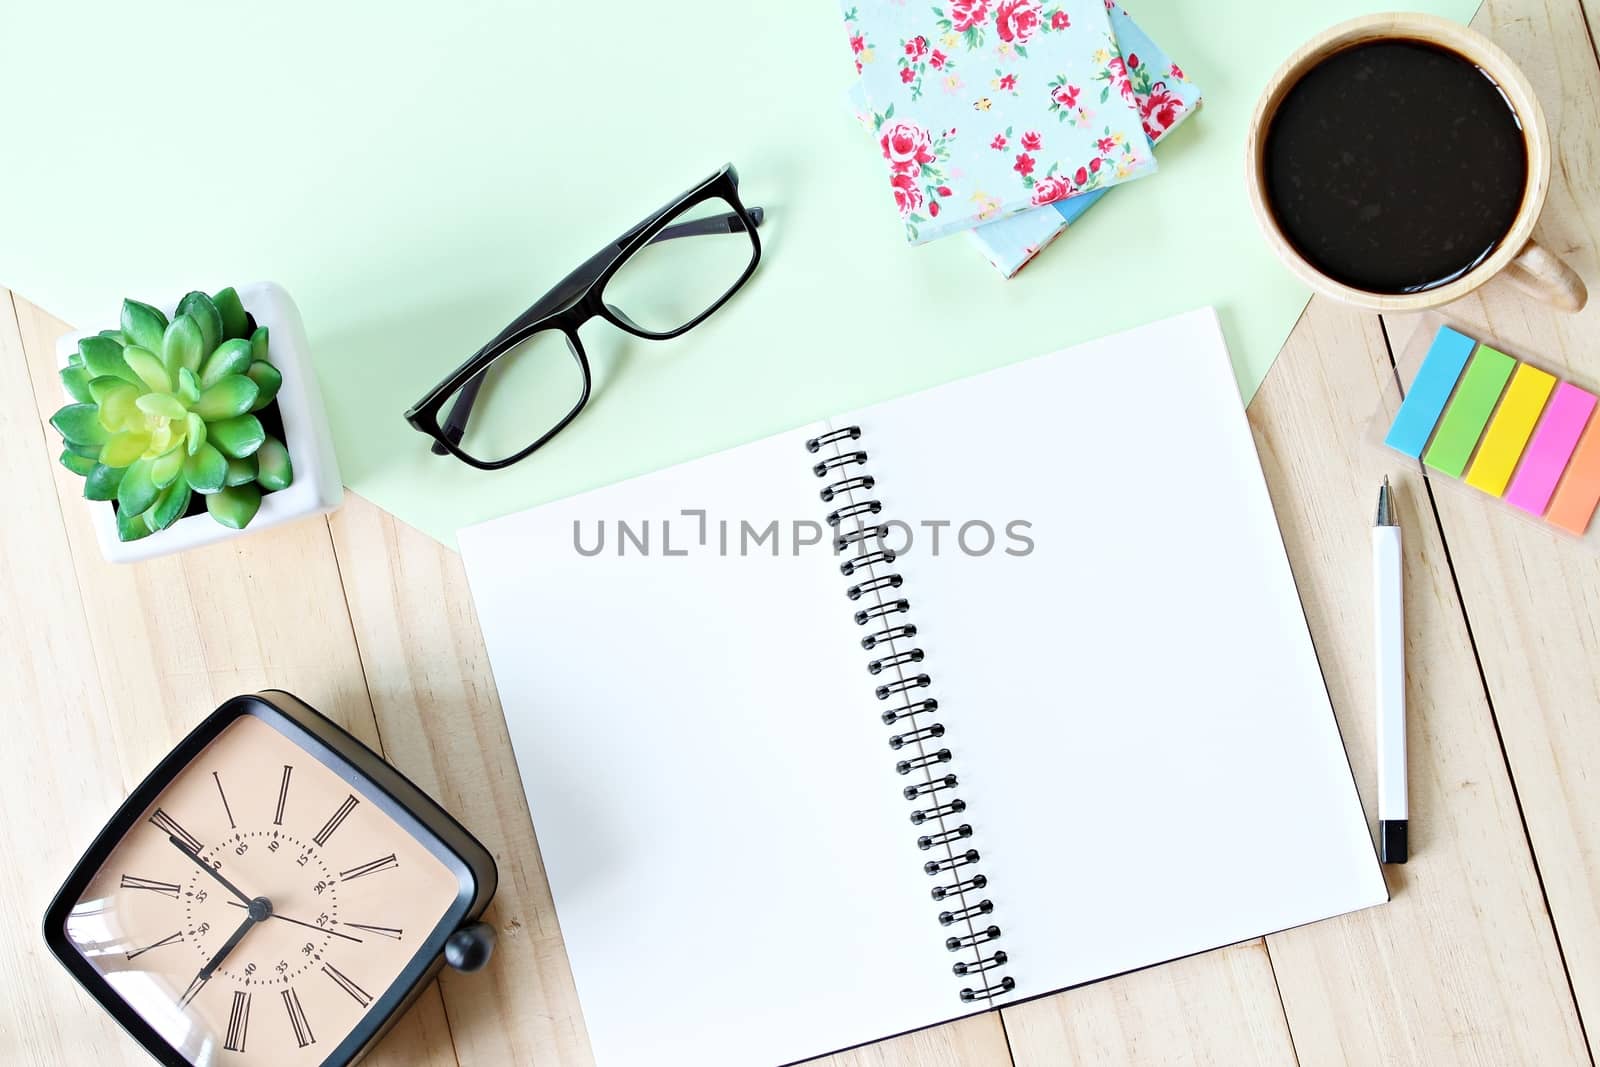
[576, 299]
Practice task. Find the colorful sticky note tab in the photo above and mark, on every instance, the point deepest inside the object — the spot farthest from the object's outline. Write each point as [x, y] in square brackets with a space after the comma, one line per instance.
[1574, 503]
[1469, 411]
[1553, 442]
[1430, 391]
[1513, 424]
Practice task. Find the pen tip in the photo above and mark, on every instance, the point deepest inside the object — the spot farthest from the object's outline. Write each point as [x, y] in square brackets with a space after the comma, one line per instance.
[1385, 516]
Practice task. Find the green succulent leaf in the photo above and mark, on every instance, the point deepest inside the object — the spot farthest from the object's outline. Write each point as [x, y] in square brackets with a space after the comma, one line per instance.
[163, 440]
[80, 465]
[188, 386]
[195, 432]
[182, 345]
[102, 482]
[165, 468]
[258, 343]
[163, 405]
[87, 451]
[75, 358]
[235, 506]
[241, 471]
[236, 438]
[207, 470]
[231, 357]
[234, 321]
[119, 409]
[268, 380]
[138, 490]
[131, 526]
[115, 335]
[102, 357]
[125, 447]
[273, 469]
[76, 379]
[148, 366]
[198, 306]
[79, 424]
[170, 505]
[143, 325]
[100, 388]
[230, 396]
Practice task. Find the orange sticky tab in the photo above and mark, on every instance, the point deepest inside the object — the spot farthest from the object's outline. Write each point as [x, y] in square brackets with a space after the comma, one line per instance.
[1574, 503]
[1508, 434]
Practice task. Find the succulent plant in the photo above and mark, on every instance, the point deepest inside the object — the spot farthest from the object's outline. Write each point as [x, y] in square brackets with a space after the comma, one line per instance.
[163, 410]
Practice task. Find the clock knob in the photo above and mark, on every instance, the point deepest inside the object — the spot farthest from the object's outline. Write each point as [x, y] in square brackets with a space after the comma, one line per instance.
[469, 948]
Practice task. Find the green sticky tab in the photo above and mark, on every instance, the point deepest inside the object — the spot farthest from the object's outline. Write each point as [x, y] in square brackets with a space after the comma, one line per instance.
[1469, 411]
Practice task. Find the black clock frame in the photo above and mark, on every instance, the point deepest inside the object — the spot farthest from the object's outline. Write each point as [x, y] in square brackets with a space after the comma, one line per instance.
[364, 771]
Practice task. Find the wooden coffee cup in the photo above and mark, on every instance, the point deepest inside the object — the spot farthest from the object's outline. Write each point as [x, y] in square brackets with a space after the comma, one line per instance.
[1527, 263]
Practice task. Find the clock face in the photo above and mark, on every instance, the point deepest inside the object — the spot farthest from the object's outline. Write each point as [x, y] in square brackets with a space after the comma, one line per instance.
[260, 905]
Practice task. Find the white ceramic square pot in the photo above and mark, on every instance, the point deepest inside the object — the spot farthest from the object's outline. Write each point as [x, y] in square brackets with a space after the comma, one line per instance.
[316, 488]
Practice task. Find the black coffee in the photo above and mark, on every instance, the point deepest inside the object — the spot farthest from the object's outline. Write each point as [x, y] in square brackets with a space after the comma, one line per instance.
[1395, 166]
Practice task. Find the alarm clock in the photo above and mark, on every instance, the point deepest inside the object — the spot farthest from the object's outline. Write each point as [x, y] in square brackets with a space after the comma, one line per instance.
[273, 893]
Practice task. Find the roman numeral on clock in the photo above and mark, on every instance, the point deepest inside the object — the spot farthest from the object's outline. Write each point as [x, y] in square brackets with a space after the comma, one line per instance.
[170, 939]
[369, 868]
[332, 824]
[283, 795]
[238, 1022]
[169, 826]
[297, 1018]
[381, 931]
[362, 997]
[167, 889]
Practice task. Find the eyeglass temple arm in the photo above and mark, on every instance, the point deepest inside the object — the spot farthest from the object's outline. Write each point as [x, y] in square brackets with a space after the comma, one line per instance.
[569, 288]
[727, 222]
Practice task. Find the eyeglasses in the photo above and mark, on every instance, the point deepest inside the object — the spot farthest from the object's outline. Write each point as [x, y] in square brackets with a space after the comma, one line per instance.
[658, 280]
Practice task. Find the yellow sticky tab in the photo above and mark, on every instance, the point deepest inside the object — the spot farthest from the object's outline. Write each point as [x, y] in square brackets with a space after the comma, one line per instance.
[1508, 434]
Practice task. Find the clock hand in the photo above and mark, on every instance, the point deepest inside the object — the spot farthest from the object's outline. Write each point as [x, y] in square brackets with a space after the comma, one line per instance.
[260, 909]
[228, 946]
[212, 871]
[308, 926]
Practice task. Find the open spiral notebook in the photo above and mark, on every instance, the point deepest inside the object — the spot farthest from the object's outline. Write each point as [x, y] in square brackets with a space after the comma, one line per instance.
[787, 810]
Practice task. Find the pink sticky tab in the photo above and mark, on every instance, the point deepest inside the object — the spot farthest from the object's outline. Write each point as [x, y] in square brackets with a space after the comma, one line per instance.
[1551, 448]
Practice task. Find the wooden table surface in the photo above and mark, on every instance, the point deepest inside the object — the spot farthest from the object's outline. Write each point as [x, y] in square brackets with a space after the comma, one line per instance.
[1488, 954]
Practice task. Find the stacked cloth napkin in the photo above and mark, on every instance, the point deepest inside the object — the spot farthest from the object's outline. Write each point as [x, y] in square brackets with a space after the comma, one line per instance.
[1008, 119]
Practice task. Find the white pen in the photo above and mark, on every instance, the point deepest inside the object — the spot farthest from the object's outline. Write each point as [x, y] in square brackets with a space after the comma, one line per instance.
[1389, 653]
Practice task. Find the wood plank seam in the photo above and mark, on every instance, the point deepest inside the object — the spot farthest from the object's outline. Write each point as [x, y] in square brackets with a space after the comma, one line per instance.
[1594, 50]
[61, 526]
[377, 729]
[1511, 777]
[1494, 719]
[1266, 948]
[344, 595]
[1006, 1036]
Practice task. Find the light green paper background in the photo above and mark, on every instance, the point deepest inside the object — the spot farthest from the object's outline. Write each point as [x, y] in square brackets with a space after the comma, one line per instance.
[416, 175]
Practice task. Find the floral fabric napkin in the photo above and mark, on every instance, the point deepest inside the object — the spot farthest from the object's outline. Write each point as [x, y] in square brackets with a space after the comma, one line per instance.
[986, 108]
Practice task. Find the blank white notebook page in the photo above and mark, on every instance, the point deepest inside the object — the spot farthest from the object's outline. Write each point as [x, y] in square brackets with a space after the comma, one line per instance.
[714, 797]
[1135, 710]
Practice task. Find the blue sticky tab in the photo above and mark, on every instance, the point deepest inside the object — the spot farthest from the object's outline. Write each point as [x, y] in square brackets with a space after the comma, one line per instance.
[1429, 392]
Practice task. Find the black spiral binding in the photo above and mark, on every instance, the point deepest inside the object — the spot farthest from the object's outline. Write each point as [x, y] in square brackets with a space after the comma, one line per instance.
[918, 741]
